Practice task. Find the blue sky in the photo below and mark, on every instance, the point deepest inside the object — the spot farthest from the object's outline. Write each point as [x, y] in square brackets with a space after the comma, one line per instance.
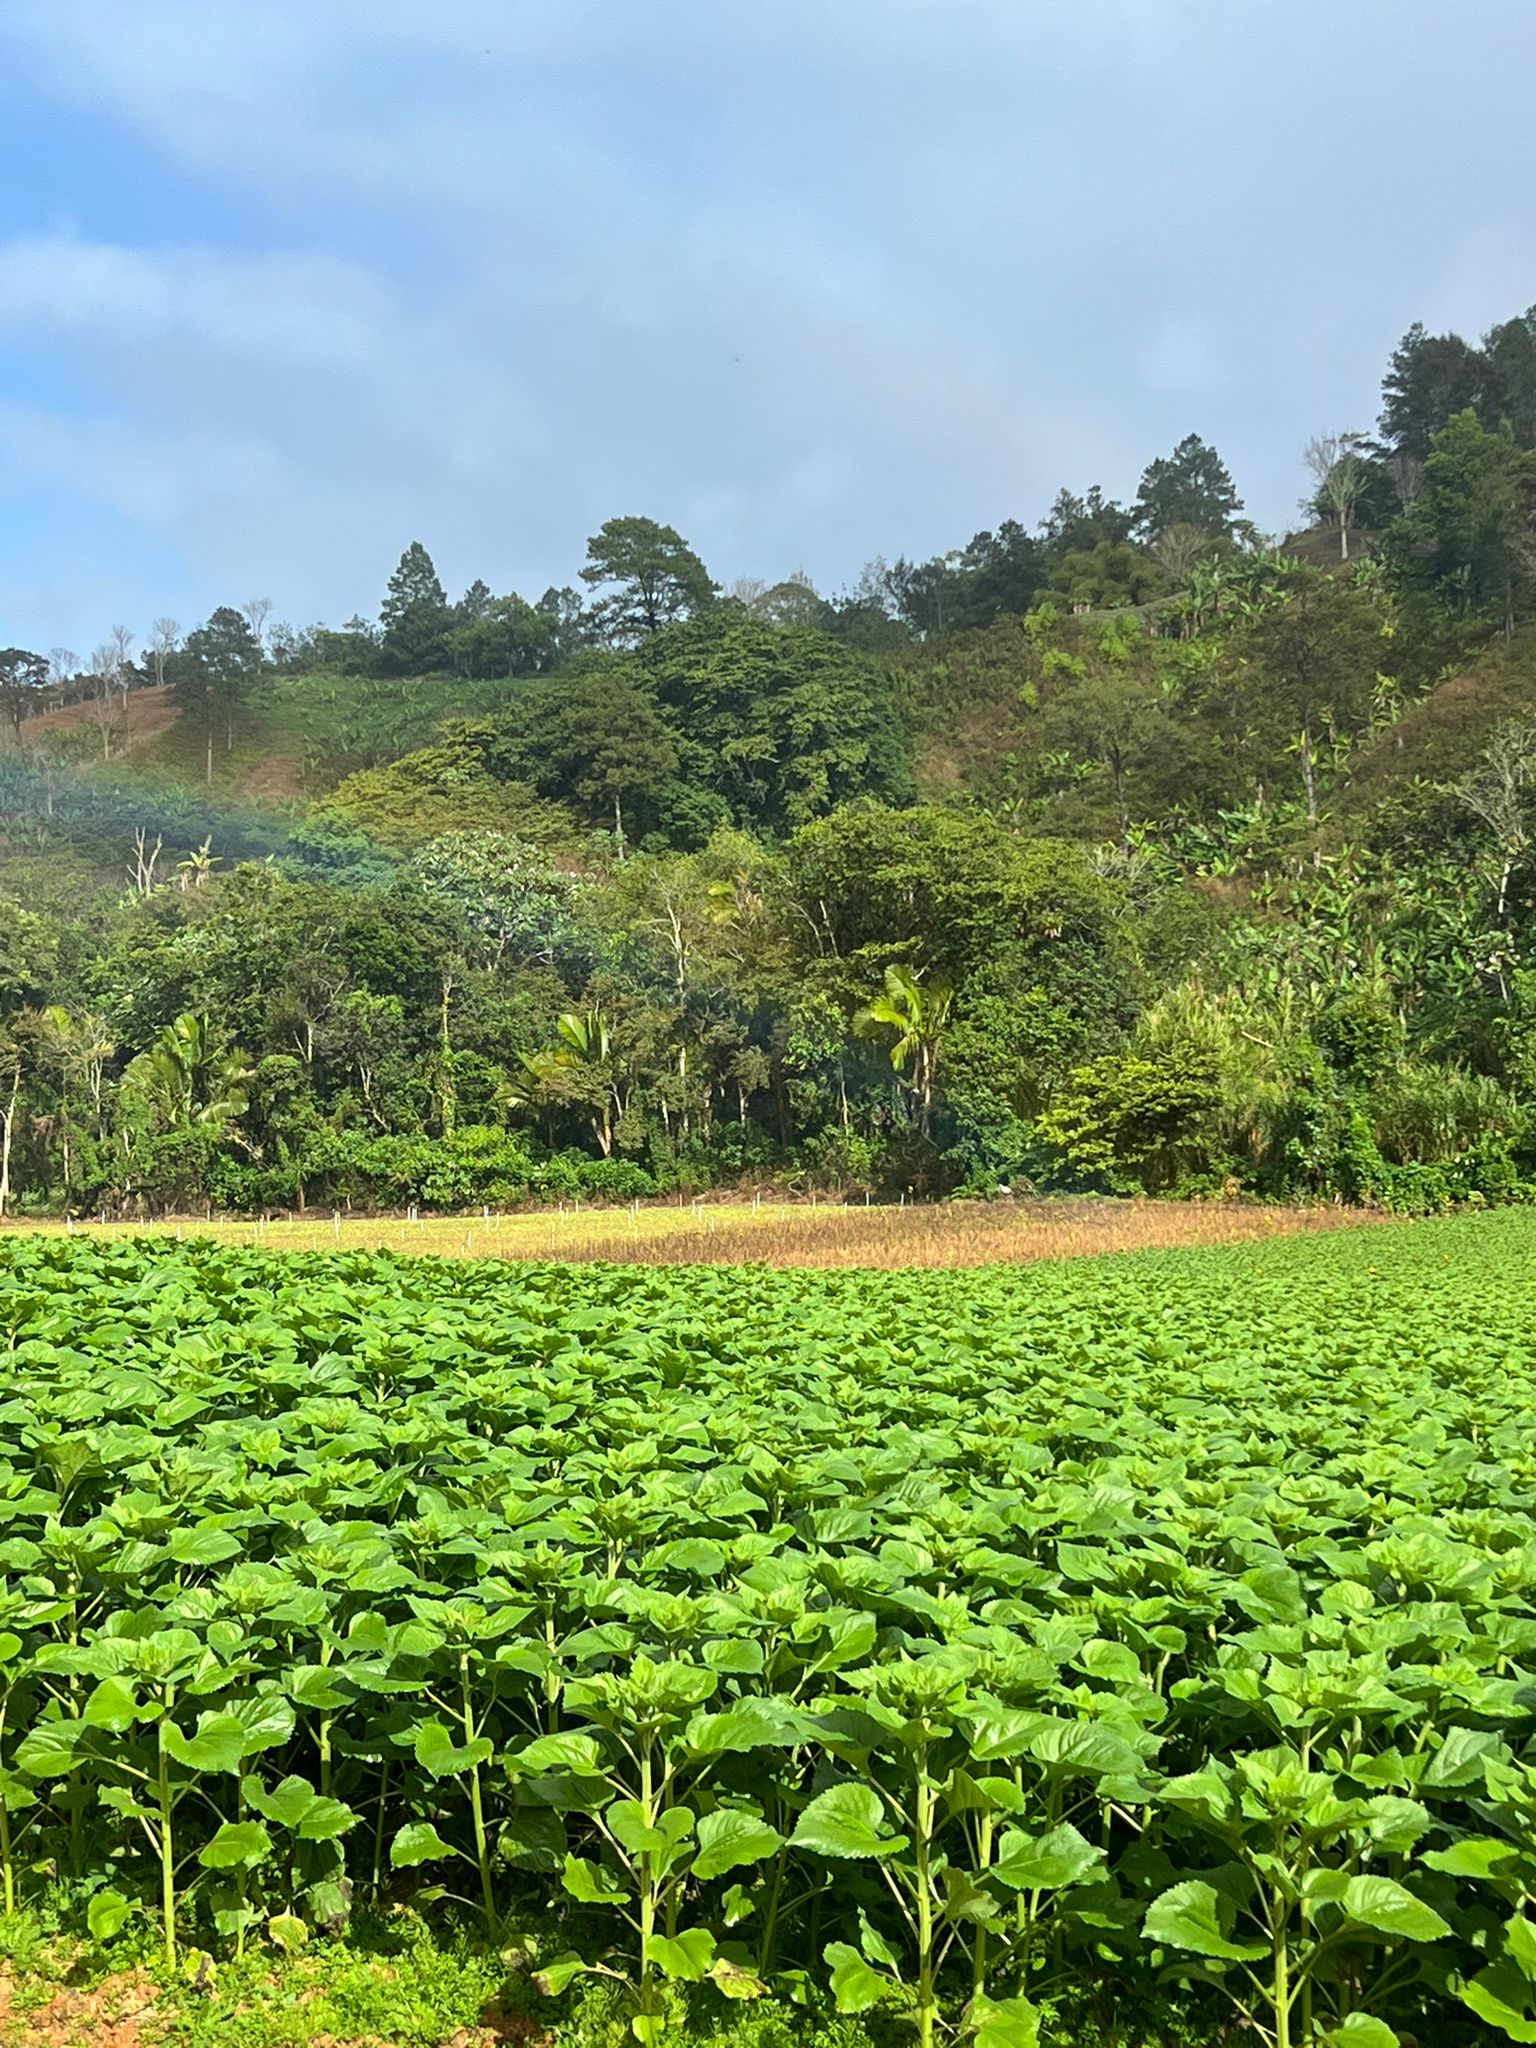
[285, 284]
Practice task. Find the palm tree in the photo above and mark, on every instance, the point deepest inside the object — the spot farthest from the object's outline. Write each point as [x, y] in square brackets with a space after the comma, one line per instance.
[582, 1067]
[917, 1012]
[189, 1079]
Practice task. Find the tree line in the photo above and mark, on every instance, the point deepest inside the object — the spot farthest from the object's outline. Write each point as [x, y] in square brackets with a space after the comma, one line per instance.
[1133, 853]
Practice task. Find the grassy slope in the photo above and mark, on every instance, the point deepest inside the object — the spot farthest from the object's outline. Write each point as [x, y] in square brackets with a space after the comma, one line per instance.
[1442, 734]
[307, 737]
[300, 735]
[965, 710]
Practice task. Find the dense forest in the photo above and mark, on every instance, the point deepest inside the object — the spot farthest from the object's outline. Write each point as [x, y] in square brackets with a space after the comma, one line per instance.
[1130, 851]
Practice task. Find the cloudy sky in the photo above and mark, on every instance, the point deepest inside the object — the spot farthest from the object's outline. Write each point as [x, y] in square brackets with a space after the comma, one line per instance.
[285, 284]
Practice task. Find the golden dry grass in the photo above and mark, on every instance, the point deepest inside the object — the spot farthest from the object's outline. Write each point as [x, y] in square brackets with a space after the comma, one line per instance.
[779, 1234]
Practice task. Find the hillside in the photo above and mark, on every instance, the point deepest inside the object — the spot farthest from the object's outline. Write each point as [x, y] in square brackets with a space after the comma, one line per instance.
[296, 736]
[1129, 856]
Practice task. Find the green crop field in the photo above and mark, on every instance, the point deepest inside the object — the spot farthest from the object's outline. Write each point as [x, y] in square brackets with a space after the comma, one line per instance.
[1140, 1649]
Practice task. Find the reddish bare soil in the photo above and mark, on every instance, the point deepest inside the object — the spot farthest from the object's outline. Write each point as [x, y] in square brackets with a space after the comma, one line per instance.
[147, 716]
[119, 2013]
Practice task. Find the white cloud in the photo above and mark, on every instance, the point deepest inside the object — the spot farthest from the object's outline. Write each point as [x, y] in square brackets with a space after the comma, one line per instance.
[812, 280]
[293, 310]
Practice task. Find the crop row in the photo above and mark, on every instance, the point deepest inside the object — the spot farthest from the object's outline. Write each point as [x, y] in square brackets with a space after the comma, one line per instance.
[942, 1641]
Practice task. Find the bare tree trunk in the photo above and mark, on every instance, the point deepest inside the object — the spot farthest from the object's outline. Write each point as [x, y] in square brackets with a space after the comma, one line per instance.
[7, 1127]
[1307, 775]
[208, 762]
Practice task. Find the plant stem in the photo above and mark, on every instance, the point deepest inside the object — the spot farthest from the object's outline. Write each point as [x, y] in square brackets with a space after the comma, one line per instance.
[378, 1830]
[771, 1917]
[923, 1833]
[167, 1845]
[1282, 1982]
[647, 1881]
[983, 1865]
[476, 1807]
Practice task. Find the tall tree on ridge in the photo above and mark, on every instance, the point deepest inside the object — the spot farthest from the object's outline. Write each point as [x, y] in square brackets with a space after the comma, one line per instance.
[415, 617]
[1190, 487]
[23, 678]
[650, 575]
[213, 674]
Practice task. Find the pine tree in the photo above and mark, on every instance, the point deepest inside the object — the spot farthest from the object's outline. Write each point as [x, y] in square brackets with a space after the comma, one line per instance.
[415, 617]
[211, 677]
[1430, 379]
[653, 578]
[1190, 487]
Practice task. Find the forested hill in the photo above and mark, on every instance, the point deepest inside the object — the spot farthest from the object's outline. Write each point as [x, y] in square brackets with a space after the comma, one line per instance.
[1128, 850]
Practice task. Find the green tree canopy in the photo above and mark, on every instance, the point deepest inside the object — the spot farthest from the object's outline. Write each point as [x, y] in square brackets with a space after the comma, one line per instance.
[648, 575]
[1190, 487]
[1430, 379]
[211, 677]
[415, 618]
[942, 890]
[1467, 537]
[504, 636]
[1509, 351]
[783, 724]
[23, 679]
[1076, 524]
[598, 739]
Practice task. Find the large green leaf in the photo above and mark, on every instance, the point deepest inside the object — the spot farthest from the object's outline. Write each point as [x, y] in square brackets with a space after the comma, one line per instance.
[51, 1749]
[1503, 1996]
[1389, 1907]
[441, 1757]
[556, 1976]
[846, 1821]
[1475, 1856]
[1459, 1760]
[107, 1915]
[577, 1753]
[237, 1843]
[729, 1838]
[1045, 1862]
[1005, 2023]
[112, 1705]
[1195, 1916]
[220, 1744]
[660, 1840]
[1360, 2030]
[855, 1986]
[591, 1883]
[685, 1956]
[203, 1546]
[417, 1842]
